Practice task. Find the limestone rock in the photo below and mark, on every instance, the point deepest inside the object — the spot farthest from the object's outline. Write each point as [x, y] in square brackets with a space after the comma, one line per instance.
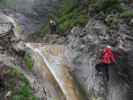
[95, 36]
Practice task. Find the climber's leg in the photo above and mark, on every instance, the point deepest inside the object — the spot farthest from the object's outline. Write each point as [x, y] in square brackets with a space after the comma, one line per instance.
[107, 72]
[53, 29]
[1, 84]
[99, 68]
[103, 69]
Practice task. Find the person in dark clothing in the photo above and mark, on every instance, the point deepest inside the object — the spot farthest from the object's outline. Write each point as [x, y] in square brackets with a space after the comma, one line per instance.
[2, 86]
[53, 26]
[108, 58]
[103, 69]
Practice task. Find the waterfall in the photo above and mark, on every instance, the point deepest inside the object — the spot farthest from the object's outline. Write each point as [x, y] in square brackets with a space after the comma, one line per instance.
[53, 59]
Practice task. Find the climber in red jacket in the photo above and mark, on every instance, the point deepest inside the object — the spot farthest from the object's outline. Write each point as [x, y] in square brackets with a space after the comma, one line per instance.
[108, 58]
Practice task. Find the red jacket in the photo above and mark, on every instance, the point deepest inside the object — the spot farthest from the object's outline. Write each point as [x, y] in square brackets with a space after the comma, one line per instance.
[108, 56]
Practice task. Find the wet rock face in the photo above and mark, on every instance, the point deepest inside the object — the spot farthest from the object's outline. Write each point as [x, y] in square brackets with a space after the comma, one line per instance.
[9, 42]
[87, 44]
[6, 38]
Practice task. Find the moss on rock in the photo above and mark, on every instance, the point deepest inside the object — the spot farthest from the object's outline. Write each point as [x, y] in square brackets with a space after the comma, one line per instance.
[28, 61]
[14, 81]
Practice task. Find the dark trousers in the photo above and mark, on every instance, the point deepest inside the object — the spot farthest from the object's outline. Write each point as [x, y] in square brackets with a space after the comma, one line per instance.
[1, 85]
[53, 29]
[104, 69]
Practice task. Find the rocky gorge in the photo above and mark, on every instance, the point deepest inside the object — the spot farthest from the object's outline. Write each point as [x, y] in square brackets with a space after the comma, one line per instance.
[61, 66]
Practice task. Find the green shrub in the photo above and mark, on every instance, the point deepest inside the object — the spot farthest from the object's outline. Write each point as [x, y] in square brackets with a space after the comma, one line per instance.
[69, 14]
[128, 13]
[17, 97]
[112, 21]
[28, 60]
[20, 97]
[44, 28]
[76, 15]
[83, 19]
[7, 3]
[67, 6]
[25, 90]
[107, 6]
[17, 83]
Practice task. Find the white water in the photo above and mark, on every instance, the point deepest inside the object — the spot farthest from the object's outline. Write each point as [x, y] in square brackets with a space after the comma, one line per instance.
[52, 57]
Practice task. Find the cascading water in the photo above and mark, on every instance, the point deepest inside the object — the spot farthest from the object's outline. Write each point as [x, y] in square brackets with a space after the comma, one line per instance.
[53, 58]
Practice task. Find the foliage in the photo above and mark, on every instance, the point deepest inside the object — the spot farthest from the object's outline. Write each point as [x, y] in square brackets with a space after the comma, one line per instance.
[17, 84]
[112, 21]
[70, 13]
[8, 3]
[106, 6]
[127, 14]
[28, 60]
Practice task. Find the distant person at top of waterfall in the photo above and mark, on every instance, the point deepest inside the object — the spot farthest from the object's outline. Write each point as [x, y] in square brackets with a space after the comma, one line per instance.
[53, 26]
